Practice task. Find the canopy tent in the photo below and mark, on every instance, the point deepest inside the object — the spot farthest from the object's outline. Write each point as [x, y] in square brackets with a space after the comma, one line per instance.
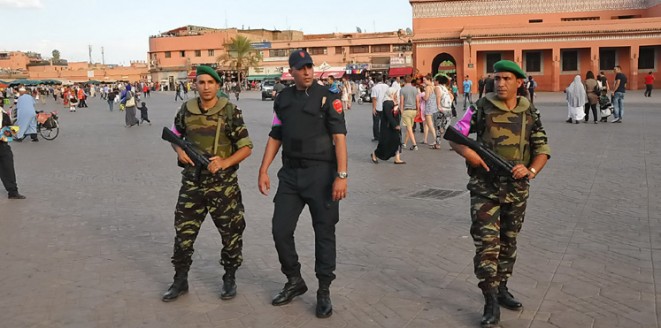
[286, 77]
[25, 82]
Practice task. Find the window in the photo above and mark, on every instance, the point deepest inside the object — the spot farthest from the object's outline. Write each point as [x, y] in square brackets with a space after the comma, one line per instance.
[575, 19]
[381, 48]
[492, 58]
[628, 16]
[535, 21]
[318, 51]
[607, 59]
[198, 53]
[278, 53]
[210, 52]
[647, 58]
[168, 54]
[569, 60]
[359, 49]
[402, 47]
[182, 53]
[338, 50]
[533, 61]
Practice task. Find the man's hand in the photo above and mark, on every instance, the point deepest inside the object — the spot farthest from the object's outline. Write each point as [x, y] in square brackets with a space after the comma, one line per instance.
[264, 183]
[339, 189]
[398, 128]
[216, 164]
[183, 157]
[520, 171]
[474, 160]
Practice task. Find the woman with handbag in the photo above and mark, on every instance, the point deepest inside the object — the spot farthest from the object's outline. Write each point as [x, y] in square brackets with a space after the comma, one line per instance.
[128, 100]
[390, 138]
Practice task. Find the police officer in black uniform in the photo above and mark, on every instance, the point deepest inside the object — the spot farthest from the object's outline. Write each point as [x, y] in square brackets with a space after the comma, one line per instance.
[7, 173]
[309, 125]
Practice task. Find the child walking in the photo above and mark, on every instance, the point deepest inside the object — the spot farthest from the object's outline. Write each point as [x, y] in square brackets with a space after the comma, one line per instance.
[144, 116]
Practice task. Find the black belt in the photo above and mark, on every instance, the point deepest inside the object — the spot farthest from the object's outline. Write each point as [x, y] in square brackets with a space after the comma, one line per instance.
[410, 109]
[300, 163]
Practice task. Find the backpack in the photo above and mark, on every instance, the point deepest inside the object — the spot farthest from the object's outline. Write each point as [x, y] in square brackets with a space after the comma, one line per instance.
[446, 99]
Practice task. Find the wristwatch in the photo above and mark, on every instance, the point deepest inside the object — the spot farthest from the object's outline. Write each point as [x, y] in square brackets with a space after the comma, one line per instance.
[532, 169]
[342, 175]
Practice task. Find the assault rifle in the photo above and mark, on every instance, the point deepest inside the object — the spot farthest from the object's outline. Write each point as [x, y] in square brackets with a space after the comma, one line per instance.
[496, 164]
[201, 161]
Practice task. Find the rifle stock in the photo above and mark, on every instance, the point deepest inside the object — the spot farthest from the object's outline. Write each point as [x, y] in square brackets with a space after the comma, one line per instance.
[496, 163]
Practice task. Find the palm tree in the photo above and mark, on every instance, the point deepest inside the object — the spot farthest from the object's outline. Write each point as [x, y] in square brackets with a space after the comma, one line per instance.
[240, 55]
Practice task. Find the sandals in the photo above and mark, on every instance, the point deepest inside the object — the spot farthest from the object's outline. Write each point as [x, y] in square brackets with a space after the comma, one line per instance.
[374, 159]
[435, 146]
[402, 162]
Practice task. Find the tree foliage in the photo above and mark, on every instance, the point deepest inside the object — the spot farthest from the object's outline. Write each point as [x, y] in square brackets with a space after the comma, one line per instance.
[240, 55]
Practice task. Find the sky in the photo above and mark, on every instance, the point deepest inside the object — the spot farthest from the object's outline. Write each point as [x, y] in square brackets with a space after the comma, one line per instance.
[123, 28]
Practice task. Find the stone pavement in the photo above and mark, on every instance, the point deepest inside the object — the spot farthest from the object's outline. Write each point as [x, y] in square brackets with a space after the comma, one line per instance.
[90, 247]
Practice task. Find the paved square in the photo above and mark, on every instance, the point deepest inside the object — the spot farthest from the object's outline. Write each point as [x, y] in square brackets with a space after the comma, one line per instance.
[90, 246]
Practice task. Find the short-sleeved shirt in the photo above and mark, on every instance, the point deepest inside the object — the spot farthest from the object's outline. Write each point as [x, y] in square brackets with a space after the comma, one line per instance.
[379, 94]
[278, 87]
[649, 79]
[409, 94]
[623, 82]
[468, 84]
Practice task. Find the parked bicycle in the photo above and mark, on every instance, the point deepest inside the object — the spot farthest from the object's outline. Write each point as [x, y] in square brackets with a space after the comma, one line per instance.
[47, 125]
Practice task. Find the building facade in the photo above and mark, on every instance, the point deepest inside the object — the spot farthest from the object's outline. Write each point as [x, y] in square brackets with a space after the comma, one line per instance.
[553, 41]
[175, 54]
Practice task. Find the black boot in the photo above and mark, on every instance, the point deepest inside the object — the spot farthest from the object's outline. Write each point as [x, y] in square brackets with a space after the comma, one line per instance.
[229, 284]
[295, 286]
[178, 287]
[568, 120]
[506, 299]
[491, 316]
[324, 305]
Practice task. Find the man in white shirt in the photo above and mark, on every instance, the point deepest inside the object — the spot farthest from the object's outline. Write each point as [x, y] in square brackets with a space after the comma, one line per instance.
[378, 95]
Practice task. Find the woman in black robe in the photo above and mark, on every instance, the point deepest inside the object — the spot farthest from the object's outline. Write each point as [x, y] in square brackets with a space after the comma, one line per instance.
[390, 139]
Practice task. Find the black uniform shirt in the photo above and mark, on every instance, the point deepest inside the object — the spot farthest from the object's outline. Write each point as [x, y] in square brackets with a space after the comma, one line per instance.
[305, 120]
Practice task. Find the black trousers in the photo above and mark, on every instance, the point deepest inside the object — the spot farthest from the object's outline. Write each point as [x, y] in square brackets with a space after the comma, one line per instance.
[587, 111]
[376, 124]
[7, 173]
[648, 90]
[300, 186]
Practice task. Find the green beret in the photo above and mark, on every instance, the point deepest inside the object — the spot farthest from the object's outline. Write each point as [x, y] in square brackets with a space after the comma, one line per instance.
[509, 66]
[208, 70]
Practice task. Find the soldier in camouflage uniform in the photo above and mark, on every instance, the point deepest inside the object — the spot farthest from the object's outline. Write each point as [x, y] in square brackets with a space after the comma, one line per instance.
[214, 126]
[510, 126]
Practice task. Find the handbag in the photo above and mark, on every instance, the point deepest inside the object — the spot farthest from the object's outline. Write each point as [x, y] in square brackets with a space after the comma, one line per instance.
[130, 102]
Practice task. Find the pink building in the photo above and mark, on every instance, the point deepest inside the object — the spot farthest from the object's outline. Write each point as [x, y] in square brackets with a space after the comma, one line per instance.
[551, 40]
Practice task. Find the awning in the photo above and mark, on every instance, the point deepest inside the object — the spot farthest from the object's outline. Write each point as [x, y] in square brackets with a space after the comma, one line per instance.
[400, 71]
[335, 74]
[192, 75]
[258, 77]
[286, 77]
[317, 74]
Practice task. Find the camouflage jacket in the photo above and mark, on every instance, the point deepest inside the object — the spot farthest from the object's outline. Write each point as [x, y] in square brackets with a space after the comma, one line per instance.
[200, 127]
[517, 135]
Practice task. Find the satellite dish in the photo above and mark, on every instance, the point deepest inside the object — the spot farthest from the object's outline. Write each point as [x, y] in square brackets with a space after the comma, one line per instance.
[358, 30]
[409, 31]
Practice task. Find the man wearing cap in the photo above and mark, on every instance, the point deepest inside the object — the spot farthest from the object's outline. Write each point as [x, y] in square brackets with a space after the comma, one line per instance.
[214, 126]
[309, 125]
[510, 126]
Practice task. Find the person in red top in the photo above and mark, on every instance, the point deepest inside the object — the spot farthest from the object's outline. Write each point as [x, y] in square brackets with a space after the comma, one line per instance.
[649, 83]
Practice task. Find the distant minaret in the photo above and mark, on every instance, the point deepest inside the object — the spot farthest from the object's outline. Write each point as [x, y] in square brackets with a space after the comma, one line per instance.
[103, 56]
[90, 52]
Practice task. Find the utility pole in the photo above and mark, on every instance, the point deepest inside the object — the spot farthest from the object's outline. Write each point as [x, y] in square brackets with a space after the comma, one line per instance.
[90, 52]
[103, 56]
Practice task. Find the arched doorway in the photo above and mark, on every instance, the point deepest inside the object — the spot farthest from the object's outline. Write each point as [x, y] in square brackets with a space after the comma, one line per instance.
[444, 63]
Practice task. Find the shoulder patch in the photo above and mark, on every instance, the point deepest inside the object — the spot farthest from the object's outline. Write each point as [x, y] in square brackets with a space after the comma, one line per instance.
[337, 106]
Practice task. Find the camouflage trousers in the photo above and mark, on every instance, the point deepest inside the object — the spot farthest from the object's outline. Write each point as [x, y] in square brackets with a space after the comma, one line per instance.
[219, 196]
[497, 213]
